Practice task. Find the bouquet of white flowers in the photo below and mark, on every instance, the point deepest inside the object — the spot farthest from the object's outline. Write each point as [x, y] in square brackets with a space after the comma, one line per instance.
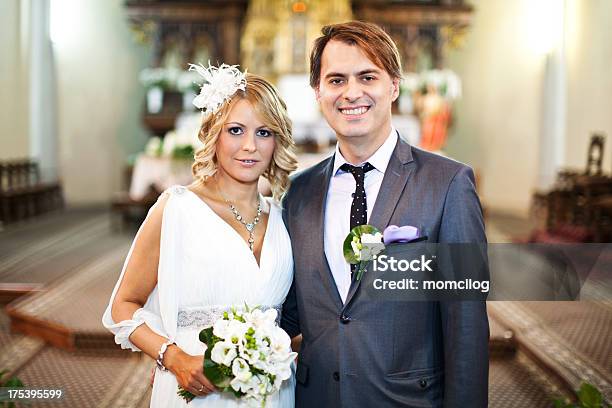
[247, 354]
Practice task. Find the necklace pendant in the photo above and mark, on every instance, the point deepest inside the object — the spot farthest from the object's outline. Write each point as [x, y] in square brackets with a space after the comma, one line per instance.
[250, 226]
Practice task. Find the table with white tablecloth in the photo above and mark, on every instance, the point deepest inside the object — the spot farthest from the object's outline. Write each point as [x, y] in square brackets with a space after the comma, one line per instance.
[159, 172]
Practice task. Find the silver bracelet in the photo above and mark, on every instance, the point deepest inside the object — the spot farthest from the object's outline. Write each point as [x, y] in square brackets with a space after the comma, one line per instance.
[160, 355]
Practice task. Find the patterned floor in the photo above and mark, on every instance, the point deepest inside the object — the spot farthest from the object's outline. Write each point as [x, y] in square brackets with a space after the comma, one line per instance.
[78, 257]
[568, 337]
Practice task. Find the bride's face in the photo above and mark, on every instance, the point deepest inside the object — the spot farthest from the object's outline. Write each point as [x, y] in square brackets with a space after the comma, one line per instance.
[245, 145]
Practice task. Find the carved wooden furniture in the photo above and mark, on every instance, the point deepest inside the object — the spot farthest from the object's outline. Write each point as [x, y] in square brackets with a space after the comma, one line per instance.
[126, 210]
[23, 194]
[602, 219]
[129, 211]
[595, 155]
[421, 29]
[580, 203]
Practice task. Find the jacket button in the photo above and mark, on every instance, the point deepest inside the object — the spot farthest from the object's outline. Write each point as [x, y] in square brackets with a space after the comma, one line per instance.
[336, 376]
[423, 383]
[345, 319]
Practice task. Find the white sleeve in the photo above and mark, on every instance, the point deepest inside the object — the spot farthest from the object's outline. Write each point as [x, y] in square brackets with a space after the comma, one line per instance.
[149, 314]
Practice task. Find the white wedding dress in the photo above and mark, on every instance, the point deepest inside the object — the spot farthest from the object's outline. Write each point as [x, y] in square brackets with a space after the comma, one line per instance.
[205, 268]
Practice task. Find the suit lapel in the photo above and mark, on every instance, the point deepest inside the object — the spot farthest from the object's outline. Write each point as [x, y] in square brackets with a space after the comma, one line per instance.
[401, 165]
[317, 216]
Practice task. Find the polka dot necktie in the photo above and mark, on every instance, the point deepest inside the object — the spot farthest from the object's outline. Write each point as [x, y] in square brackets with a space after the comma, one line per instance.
[359, 207]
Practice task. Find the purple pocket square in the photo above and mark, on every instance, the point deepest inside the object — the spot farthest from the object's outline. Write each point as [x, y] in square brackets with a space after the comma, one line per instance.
[393, 233]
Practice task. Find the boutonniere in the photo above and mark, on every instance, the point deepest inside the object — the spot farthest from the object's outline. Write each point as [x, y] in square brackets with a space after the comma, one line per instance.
[365, 242]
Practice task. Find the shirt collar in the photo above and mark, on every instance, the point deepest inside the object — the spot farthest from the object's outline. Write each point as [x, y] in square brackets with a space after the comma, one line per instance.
[380, 158]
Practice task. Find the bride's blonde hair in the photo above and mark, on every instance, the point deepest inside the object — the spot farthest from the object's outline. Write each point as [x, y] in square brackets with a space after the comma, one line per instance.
[272, 110]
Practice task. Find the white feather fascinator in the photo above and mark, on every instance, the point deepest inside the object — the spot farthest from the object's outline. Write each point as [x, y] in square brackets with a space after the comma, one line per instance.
[220, 83]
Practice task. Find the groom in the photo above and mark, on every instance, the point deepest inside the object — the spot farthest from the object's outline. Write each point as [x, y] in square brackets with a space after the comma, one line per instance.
[354, 352]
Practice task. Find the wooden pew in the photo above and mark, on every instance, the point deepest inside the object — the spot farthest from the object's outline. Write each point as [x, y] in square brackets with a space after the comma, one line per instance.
[578, 205]
[23, 194]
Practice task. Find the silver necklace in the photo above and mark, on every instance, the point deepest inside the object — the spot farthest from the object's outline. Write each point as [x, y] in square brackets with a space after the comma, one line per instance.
[250, 226]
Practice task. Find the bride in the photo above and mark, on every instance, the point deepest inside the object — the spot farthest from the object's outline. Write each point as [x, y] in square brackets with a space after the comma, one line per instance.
[213, 245]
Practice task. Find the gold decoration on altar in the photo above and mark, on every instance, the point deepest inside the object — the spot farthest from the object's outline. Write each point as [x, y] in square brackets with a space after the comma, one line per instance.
[454, 36]
[278, 33]
[145, 32]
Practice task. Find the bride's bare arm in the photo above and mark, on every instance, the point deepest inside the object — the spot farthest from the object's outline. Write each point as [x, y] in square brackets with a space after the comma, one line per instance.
[138, 282]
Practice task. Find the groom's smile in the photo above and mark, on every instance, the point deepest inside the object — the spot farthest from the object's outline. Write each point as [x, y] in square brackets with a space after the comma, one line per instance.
[354, 113]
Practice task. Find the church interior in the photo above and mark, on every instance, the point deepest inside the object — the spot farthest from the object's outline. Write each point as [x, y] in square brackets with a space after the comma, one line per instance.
[96, 121]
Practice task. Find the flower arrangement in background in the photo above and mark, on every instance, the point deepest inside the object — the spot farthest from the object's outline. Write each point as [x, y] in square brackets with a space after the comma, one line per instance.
[444, 81]
[188, 85]
[180, 143]
[164, 78]
[188, 82]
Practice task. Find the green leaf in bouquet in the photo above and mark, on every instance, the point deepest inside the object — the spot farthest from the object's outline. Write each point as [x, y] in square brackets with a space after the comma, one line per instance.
[206, 336]
[355, 234]
[215, 374]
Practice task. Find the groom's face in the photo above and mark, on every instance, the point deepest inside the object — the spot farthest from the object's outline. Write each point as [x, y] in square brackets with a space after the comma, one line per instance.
[354, 93]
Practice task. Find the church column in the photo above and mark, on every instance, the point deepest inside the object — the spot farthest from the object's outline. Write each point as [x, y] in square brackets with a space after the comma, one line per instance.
[554, 95]
[43, 98]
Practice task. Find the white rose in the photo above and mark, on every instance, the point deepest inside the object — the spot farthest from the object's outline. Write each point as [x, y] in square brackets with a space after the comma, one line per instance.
[271, 315]
[241, 386]
[241, 370]
[220, 328]
[249, 387]
[356, 250]
[282, 371]
[280, 340]
[223, 353]
[235, 331]
[262, 385]
[259, 319]
[371, 238]
[369, 250]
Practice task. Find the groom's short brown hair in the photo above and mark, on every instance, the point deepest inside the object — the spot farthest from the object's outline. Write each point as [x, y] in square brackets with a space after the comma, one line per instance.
[372, 40]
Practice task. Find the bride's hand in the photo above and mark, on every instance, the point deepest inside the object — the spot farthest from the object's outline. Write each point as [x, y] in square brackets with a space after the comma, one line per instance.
[188, 371]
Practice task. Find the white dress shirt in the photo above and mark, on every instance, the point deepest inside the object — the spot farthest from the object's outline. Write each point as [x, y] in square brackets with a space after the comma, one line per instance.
[338, 207]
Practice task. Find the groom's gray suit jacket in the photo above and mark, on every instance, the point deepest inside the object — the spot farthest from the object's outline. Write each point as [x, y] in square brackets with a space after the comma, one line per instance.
[386, 354]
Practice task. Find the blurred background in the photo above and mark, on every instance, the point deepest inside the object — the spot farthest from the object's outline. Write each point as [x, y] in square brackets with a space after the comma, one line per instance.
[96, 119]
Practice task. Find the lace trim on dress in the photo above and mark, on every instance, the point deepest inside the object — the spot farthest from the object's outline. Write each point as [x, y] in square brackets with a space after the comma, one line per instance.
[206, 317]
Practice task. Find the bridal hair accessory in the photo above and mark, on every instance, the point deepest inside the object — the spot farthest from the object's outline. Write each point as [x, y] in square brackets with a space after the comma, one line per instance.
[220, 83]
